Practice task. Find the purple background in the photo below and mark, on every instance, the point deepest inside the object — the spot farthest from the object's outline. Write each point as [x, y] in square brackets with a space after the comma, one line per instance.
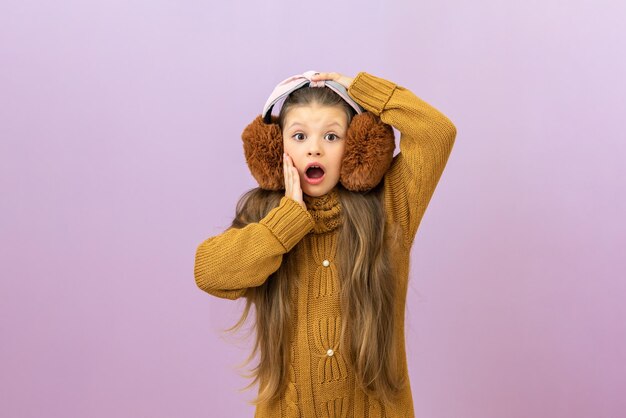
[120, 153]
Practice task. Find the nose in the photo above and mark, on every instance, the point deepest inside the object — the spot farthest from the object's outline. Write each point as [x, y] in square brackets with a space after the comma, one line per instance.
[315, 148]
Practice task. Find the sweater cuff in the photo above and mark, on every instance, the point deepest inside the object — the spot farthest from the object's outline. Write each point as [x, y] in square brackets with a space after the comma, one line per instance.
[289, 222]
[371, 92]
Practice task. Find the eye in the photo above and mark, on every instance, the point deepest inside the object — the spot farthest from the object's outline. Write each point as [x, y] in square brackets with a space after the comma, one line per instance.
[331, 137]
[299, 136]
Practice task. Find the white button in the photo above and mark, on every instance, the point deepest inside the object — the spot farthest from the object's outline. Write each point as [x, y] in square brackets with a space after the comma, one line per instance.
[326, 263]
[330, 352]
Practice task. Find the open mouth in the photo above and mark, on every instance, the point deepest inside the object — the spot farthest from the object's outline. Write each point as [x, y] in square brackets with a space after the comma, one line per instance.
[314, 173]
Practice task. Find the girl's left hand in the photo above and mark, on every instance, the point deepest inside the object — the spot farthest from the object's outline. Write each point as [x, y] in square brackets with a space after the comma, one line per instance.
[341, 79]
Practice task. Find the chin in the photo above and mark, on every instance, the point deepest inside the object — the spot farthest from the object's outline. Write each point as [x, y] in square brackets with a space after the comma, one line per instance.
[317, 191]
[315, 194]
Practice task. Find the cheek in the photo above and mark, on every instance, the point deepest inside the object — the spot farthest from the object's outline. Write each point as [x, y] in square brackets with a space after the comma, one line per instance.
[287, 146]
[341, 152]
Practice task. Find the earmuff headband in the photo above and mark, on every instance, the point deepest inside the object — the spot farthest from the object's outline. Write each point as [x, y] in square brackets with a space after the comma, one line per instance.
[291, 84]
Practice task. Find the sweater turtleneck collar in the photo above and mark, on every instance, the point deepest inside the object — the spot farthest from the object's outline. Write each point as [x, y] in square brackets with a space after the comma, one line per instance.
[325, 210]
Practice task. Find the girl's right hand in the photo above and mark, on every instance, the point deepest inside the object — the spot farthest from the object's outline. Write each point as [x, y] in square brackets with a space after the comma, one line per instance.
[292, 181]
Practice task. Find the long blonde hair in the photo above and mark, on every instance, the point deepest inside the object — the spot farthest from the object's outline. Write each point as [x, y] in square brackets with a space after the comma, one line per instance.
[368, 289]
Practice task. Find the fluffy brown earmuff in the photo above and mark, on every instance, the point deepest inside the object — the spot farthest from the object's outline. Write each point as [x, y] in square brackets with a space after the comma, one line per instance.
[369, 152]
[263, 148]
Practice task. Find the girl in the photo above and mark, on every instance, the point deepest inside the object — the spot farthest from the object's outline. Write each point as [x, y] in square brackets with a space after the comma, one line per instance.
[321, 248]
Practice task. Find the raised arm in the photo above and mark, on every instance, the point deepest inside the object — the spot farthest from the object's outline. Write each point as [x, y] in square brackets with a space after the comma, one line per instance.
[229, 263]
[426, 140]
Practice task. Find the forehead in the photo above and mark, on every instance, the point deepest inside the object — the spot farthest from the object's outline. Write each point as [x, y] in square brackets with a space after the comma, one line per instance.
[316, 116]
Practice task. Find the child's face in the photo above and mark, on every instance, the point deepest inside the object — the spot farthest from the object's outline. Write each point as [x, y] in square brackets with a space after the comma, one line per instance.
[315, 138]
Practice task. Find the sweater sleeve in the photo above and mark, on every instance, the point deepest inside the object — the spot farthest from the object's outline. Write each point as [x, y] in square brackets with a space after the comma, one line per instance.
[426, 140]
[229, 263]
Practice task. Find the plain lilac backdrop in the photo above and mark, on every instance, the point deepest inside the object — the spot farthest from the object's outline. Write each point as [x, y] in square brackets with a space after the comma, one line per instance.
[120, 153]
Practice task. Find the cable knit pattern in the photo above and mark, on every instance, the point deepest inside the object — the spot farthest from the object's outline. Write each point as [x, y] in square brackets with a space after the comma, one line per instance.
[335, 408]
[325, 211]
[291, 395]
[326, 278]
[331, 365]
[322, 383]
[375, 409]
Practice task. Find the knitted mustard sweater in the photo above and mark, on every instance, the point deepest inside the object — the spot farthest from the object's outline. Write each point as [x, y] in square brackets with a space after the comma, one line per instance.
[321, 380]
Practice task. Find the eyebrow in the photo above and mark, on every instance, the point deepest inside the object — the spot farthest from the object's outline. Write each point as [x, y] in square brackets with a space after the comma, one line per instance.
[328, 126]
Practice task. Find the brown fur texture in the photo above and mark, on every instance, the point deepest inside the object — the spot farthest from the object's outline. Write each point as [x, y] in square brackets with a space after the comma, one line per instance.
[369, 151]
[263, 148]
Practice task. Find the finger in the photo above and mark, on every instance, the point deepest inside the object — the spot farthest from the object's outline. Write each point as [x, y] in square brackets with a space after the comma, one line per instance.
[293, 175]
[339, 78]
[290, 167]
[286, 175]
[326, 76]
[290, 180]
[297, 190]
[295, 178]
[295, 182]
